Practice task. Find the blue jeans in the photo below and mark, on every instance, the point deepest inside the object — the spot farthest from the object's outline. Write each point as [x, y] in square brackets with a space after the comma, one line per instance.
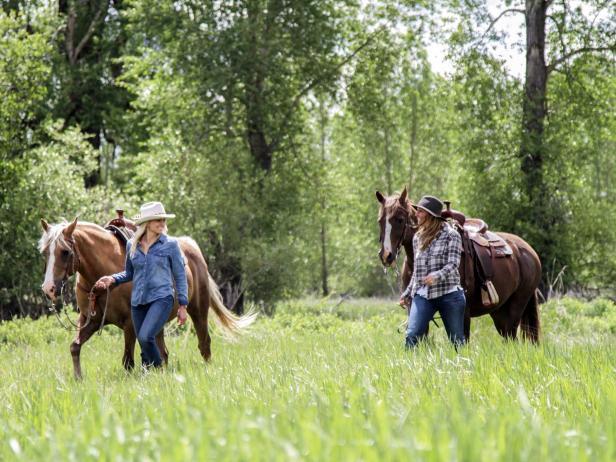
[451, 307]
[149, 320]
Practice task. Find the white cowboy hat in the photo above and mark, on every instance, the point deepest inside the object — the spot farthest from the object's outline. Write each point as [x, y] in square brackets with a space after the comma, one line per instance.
[151, 211]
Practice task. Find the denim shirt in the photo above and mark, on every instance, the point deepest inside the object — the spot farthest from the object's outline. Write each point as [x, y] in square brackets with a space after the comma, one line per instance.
[153, 273]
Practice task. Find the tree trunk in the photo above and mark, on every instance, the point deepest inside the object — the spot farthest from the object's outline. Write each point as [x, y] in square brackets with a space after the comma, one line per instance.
[388, 163]
[534, 106]
[260, 149]
[227, 272]
[413, 146]
[538, 212]
[324, 271]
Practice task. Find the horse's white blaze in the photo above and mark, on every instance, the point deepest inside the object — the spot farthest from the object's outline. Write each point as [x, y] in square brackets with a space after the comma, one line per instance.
[48, 282]
[387, 242]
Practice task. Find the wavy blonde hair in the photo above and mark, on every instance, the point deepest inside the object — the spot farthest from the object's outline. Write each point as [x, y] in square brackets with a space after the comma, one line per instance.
[141, 229]
[428, 231]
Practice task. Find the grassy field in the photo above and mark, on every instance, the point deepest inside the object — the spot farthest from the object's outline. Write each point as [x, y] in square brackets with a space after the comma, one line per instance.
[319, 382]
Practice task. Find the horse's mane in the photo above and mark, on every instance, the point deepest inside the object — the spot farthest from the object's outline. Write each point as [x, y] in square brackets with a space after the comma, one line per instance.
[54, 234]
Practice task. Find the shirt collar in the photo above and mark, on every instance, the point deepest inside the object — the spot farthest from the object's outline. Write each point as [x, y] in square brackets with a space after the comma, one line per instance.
[162, 239]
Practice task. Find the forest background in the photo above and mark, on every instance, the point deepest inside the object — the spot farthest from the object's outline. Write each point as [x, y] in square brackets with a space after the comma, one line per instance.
[267, 126]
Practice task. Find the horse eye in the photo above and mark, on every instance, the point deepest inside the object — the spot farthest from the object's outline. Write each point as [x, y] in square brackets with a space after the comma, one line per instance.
[65, 253]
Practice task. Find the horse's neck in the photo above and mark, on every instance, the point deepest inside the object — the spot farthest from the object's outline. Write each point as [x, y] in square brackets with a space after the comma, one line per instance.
[408, 248]
[99, 253]
[407, 238]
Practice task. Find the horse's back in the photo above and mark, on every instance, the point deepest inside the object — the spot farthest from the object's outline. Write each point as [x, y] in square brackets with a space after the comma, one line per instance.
[519, 273]
[526, 255]
[196, 264]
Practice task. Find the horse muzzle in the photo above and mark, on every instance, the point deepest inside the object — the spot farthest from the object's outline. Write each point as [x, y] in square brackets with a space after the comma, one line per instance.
[387, 258]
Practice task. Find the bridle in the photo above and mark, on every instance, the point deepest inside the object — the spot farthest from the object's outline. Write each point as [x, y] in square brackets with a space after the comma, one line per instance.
[408, 225]
[91, 294]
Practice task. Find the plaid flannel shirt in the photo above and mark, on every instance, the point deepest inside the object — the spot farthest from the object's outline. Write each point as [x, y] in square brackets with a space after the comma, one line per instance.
[441, 259]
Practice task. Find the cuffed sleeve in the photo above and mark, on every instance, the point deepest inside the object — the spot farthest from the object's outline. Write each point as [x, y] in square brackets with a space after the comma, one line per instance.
[179, 275]
[127, 274]
[407, 292]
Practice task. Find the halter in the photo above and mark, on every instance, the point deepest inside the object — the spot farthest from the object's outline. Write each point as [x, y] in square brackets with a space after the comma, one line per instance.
[407, 225]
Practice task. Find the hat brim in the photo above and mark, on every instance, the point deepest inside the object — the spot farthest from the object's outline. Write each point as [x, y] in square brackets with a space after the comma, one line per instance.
[140, 220]
[427, 211]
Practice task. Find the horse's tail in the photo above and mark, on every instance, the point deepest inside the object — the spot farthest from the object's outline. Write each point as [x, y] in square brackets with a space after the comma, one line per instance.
[229, 323]
[530, 325]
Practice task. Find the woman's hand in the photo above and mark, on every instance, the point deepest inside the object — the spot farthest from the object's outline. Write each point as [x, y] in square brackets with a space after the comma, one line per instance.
[430, 279]
[403, 302]
[104, 282]
[182, 315]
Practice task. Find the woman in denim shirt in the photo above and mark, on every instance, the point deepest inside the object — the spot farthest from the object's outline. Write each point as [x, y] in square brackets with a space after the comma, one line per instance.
[435, 284]
[154, 262]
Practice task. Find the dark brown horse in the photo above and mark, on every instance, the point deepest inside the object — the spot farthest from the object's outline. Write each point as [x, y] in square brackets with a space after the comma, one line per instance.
[91, 251]
[516, 277]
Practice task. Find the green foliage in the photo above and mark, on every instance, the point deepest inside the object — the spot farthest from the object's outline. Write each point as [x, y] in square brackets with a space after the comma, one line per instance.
[170, 101]
[307, 384]
[571, 207]
[24, 72]
[578, 318]
[581, 170]
[488, 113]
[47, 182]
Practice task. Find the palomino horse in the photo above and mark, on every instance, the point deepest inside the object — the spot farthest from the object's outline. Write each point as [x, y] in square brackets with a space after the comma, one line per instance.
[91, 251]
[515, 278]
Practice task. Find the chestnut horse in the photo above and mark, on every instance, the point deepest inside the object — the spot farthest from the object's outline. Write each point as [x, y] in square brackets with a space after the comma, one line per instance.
[91, 251]
[516, 277]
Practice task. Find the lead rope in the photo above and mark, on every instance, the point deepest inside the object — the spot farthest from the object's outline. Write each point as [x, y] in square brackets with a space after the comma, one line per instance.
[100, 329]
[91, 313]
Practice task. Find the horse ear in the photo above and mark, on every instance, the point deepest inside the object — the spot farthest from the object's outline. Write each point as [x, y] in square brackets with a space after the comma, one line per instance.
[380, 197]
[44, 224]
[68, 231]
[403, 196]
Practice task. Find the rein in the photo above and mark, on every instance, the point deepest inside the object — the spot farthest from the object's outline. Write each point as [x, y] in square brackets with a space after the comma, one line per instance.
[91, 313]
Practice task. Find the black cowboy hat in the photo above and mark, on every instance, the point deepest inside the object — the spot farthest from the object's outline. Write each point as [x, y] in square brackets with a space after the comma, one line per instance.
[432, 205]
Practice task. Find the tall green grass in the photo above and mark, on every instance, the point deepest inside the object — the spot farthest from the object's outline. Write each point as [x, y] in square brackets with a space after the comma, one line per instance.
[319, 382]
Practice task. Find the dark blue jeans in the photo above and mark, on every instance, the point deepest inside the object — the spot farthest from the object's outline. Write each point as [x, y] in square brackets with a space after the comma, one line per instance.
[149, 320]
[451, 307]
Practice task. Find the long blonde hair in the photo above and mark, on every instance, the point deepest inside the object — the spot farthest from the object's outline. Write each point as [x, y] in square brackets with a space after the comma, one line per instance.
[428, 231]
[141, 229]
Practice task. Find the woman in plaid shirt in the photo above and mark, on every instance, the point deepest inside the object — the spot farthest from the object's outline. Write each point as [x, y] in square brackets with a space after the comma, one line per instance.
[435, 284]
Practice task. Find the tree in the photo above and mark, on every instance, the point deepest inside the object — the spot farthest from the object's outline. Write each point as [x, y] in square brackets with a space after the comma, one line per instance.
[556, 34]
[246, 69]
[87, 69]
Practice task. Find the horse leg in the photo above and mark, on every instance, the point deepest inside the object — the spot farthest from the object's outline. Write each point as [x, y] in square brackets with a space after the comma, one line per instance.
[508, 317]
[506, 323]
[160, 343]
[530, 325]
[128, 360]
[82, 337]
[203, 335]
[467, 324]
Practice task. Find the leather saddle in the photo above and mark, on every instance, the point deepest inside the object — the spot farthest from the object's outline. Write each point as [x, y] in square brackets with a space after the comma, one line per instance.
[481, 248]
[122, 228]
